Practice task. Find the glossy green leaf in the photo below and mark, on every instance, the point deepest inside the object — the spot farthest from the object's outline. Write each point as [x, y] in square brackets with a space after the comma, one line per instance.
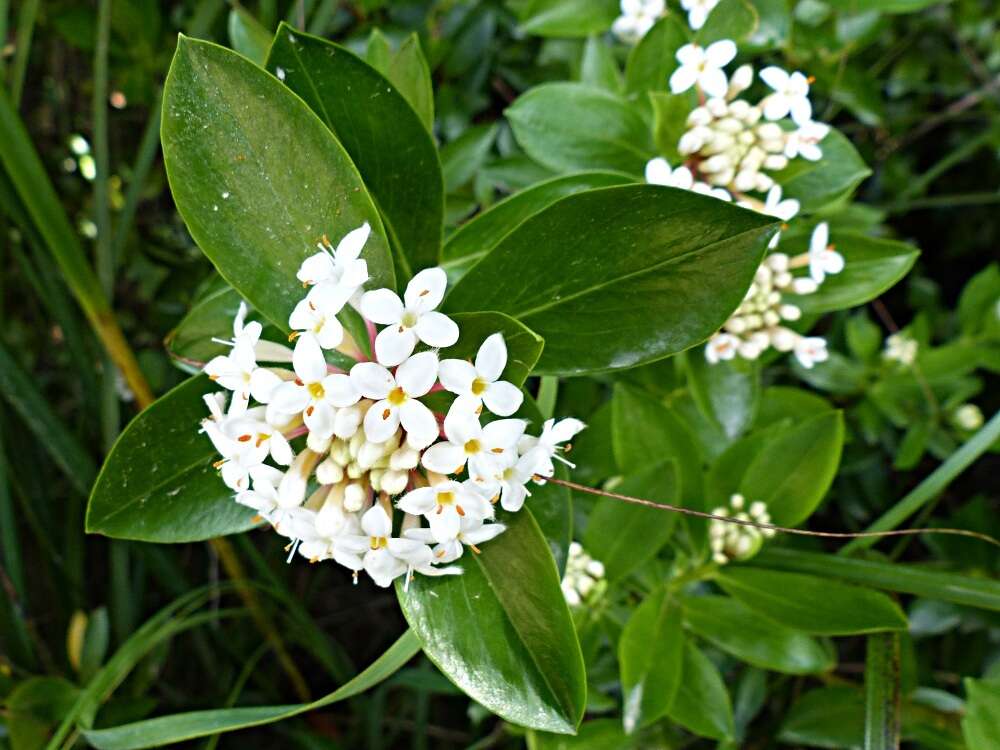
[837, 173]
[523, 345]
[736, 629]
[158, 483]
[625, 536]
[257, 176]
[570, 126]
[652, 60]
[727, 471]
[812, 604]
[981, 724]
[872, 266]
[667, 266]
[209, 317]
[167, 730]
[793, 472]
[478, 236]
[702, 702]
[33, 708]
[906, 579]
[463, 157]
[247, 36]
[828, 717]
[882, 692]
[567, 17]
[598, 66]
[390, 145]
[408, 70]
[726, 392]
[596, 734]
[509, 645]
[650, 654]
[730, 19]
[670, 113]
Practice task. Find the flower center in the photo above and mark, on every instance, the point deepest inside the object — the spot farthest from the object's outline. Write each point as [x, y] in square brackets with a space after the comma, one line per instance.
[478, 387]
[396, 396]
[379, 542]
[472, 446]
[409, 319]
[446, 498]
[316, 390]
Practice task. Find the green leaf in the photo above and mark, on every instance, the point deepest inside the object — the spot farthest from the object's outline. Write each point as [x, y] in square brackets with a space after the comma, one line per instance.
[906, 579]
[650, 653]
[247, 36]
[209, 317]
[979, 299]
[666, 265]
[981, 723]
[882, 692]
[702, 702]
[596, 734]
[793, 472]
[817, 183]
[463, 157]
[33, 708]
[812, 604]
[510, 646]
[726, 392]
[830, 717]
[598, 66]
[625, 536]
[652, 61]
[257, 177]
[478, 236]
[523, 345]
[727, 471]
[730, 19]
[736, 629]
[158, 483]
[167, 730]
[410, 74]
[871, 267]
[383, 135]
[571, 126]
[567, 17]
[670, 112]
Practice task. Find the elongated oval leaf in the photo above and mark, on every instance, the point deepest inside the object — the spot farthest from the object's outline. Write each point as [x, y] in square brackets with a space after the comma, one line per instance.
[652, 60]
[702, 702]
[614, 277]
[502, 632]
[813, 604]
[651, 653]
[384, 136]
[830, 716]
[816, 183]
[570, 126]
[257, 177]
[731, 626]
[562, 18]
[158, 483]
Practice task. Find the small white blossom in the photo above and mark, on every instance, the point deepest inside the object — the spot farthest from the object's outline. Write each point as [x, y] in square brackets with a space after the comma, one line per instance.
[636, 19]
[396, 399]
[809, 350]
[791, 95]
[805, 141]
[722, 346]
[238, 371]
[548, 445]
[901, 348]
[968, 417]
[445, 505]
[381, 555]
[659, 172]
[471, 532]
[583, 576]
[316, 315]
[702, 67]
[823, 259]
[698, 11]
[337, 273]
[484, 448]
[480, 383]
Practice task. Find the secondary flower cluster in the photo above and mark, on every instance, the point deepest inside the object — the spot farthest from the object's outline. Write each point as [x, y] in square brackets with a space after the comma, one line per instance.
[638, 16]
[583, 577]
[757, 323]
[368, 437]
[730, 541]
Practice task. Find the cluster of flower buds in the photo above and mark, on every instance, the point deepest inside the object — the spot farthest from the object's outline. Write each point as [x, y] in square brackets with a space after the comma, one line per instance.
[371, 445]
[757, 323]
[900, 348]
[731, 541]
[583, 577]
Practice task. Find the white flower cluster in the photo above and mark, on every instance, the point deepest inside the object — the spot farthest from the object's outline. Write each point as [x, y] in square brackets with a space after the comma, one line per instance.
[367, 435]
[731, 541]
[757, 323]
[638, 16]
[582, 577]
[900, 348]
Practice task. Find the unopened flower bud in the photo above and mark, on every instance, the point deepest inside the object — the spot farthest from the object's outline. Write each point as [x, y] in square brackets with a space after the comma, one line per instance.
[355, 497]
[317, 443]
[775, 162]
[394, 482]
[777, 262]
[804, 285]
[404, 459]
[783, 339]
[740, 81]
[789, 312]
[329, 472]
[699, 116]
[749, 350]
[717, 107]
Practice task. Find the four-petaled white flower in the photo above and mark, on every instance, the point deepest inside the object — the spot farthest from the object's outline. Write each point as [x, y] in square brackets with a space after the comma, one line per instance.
[722, 346]
[316, 315]
[337, 273]
[238, 371]
[396, 399]
[780, 209]
[470, 533]
[411, 319]
[381, 555]
[659, 172]
[480, 383]
[698, 11]
[547, 446]
[805, 141]
[823, 259]
[809, 350]
[637, 18]
[791, 95]
[315, 392]
[485, 449]
[702, 66]
[446, 505]
[515, 474]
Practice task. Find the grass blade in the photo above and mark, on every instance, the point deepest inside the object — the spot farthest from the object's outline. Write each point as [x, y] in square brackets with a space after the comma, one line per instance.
[882, 712]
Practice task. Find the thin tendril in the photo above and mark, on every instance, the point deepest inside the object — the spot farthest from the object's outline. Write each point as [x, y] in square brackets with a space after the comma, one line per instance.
[784, 529]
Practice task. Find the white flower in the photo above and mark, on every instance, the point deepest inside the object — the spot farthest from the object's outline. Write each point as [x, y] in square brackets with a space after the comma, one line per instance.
[315, 391]
[547, 446]
[338, 273]
[514, 477]
[331, 523]
[316, 315]
[263, 498]
[480, 384]
[968, 417]
[780, 209]
[900, 348]
[658, 172]
[721, 346]
[396, 399]
[415, 320]
[823, 259]
[715, 192]
[483, 448]
[809, 350]
[791, 95]
[637, 18]
[703, 67]
[259, 435]
[385, 557]
[470, 533]
[446, 505]
[698, 11]
[238, 371]
[805, 141]
[294, 482]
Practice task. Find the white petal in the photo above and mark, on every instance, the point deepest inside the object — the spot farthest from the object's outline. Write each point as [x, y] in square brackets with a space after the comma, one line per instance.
[820, 239]
[426, 290]
[330, 334]
[318, 417]
[775, 106]
[382, 306]
[308, 360]
[658, 171]
[349, 248]
[690, 55]
[376, 522]
[719, 54]
[683, 78]
[565, 429]
[340, 390]
[394, 344]
[416, 375]
[503, 433]
[503, 398]
[457, 375]
[461, 424]
[281, 451]
[801, 110]
[303, 317]
[418, 502]
[713, 81]
[444, 458]
[289, 398]
[774, 77]
[315, 268]
[372, 380]
[436, 329]
[419, 423]
[381, 421]
[444, 526]
[262, 384]
[492, 357]
[512, 497]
